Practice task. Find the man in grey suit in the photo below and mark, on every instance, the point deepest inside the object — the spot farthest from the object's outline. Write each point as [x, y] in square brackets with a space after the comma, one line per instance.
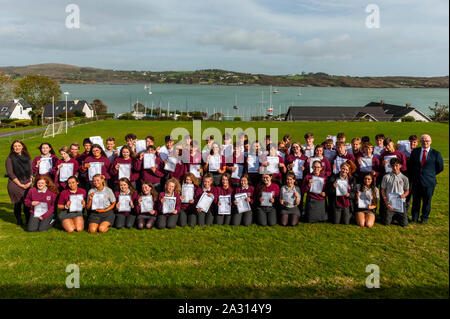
[426, 163]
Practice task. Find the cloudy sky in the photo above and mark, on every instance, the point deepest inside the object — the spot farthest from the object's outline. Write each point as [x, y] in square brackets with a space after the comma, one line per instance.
[256, 36]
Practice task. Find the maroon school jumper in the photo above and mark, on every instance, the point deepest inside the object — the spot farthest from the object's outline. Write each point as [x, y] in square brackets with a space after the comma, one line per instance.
[180, 170]
[194, 160]
[36, 169]
[105, 167]
[254, 178]
[357, 154]
[64, 197]
[189, 207]
[81, 158]
[224, 192]
[272, 188]
[159, 205]
[62, 185]
[199, 192]
[305, 186]
[147, 175]
[47, 197]
[343, 201]
[134, 174]
[326, 167]
[250, 191]
[137, 206]
[399, 155]
[276, 177]
[375, 167]
[134, 196]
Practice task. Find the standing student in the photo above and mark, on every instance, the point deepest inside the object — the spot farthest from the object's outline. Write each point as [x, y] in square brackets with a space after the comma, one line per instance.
[243, 218]
[277, 177]
[130, 140]
[329, 151]
[110, 152]
[365, 216]
[100, 219]
[391, 152]
[367, 163]
[153, 174]
[146, 219]
[219, 166]
[66, 158]
[206, 218]
[308, 147]
[87, 145]
[254, 154]
[224, 189]
[188, 214]
[340, 204]
[315, 206]
[282, 150]
[20, 176]
[194, 164]
[319, 154]
[413, 142]
[42, 199]
[96, 155]
[166, 150]
[127, 158]
[356, 148]
[379, 147]
[266, 213]
[169, 220]
[72, 219]
[236, 168]
[426, 163]
[289, 201]
[125, 218]
[47, 155]
[341, 156]
[180, 167]
[74, 148]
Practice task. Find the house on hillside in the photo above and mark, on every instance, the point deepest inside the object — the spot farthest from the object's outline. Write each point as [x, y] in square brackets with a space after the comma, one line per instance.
[374, 112]
[15, 109]
[72, 107]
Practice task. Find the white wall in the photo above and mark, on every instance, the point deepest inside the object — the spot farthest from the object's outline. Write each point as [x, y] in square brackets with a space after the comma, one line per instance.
[24, 115]
[417, 116]
[88, 111]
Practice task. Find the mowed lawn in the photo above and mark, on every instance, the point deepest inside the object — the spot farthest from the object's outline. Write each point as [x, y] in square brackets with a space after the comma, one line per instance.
[306, 261]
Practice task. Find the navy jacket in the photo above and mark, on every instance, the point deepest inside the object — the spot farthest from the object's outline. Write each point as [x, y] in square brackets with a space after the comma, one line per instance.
[425, 175]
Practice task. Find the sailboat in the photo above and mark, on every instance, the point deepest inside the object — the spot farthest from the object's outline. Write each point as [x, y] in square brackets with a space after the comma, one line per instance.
[270, 109]
[235, 106]
[275, 91]
[299, 93]
[149, 89]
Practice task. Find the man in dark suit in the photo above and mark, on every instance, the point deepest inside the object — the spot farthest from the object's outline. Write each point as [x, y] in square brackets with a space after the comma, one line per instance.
[426, 163]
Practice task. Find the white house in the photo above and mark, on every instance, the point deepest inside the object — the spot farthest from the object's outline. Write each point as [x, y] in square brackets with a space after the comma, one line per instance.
[72, 107]
[15, 109]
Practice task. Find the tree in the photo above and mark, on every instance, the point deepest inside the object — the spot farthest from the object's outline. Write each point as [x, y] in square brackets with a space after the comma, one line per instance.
[440, 112]
[6, 87]
[99, 107]
[38, 91]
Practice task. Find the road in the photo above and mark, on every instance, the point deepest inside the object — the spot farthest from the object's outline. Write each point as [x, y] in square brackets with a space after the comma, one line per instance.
[21, 132]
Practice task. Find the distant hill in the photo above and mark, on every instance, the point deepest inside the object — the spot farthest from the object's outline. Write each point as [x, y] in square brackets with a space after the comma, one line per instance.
[64, 73]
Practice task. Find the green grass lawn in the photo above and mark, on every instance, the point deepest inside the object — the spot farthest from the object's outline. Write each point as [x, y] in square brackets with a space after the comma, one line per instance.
[306, 261]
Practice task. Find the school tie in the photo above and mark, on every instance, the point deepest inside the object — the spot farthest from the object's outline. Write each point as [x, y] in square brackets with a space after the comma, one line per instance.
[424, 157]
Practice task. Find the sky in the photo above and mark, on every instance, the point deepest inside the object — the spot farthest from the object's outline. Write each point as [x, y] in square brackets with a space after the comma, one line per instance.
[252, 36]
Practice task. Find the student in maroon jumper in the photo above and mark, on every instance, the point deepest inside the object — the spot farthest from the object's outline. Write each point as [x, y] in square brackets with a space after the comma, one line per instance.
[237, 164]
[315, 206]
[96, 155]
[206, 218]
[126, 157]
[374, 169]
[266, 215]
[180, 167]
[216, 174]
[187, 213]
[154, 174]
[289, 212]
[341, 155]
[365, 216]
[224, 189]
[244, 218]
[389, 150]
[169, 220]
[74, 148]
[379, 147]
[125, 218]
[47, 152]
[272, 152]
[356, 148]
[255, 150]
[146, 219]
[71, 220]
[319, 153]
[65, 159]
[87, 144]
[194, 165]
[44, 192]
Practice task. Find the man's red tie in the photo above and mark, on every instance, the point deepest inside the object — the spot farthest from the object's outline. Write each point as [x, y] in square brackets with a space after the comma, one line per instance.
[424, 157]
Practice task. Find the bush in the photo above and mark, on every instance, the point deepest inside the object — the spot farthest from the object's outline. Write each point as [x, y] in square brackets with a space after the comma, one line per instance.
[127, 116]
[69, 115]
[79, 113]
[23, 122]
[408, 119]
[183, 118]
[7, 121]
[237, 119]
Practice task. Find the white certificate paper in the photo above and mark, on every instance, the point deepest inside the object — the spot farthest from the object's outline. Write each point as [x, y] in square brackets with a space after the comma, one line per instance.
[253, 163]
[187, 190]
[242, 204]
[377, 151]
[124, 201]
[98, 201]
[40, 209]
[94, 169]
[404, 147]
[124, 170]
[330, 155]
[387, 167]
[396, 202]
[65, 171]
[317, 185]
[171, 164]
[141, 146]
[273, 161]
[97, 140]
[338, 161]
[45, 165]
[169, 204]
[147, 204]
[266, 196]
[288, 197]
[76, 204]
[225, 205]
[195, 170]
[313, 159]
[342, 187]
[366, 164]
[363, 200]
[297, 168]
[205, 201]
[214, 163]
[237, 174]
[227, 151]
[149, 160]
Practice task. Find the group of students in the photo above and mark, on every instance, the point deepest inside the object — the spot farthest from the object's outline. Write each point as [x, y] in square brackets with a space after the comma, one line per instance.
[141, 185]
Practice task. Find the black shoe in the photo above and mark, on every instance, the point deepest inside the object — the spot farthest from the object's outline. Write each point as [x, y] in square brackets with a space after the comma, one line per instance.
[424, 221]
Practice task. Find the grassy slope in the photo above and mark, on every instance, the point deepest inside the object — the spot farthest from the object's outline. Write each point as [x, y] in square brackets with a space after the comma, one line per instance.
[307, 261]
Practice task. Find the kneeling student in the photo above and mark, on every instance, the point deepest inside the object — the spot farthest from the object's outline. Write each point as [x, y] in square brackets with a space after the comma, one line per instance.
[341, 191]
[243, 217]
[366, 201]
[205, 217]
[267, 194]
[314, 187]
[72, 202]
[169, 205]
[289, 200]
[101, 203]
[187, 213]
[146, 207]
[125, 199]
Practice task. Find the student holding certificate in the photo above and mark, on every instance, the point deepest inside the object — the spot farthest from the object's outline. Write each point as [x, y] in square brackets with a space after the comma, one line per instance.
[194, 166]
[125, 200]
[169, 205]
[205, 206]
[341, 156]
[96, 163]
[215, 164]
[314, 187]
[391, 152]
[188, 212]
[71, 203]
[308, 148]
[243, 211]
[150, 172]
[367, 163]
[101, 203]
[64, 168]
[41, 198]
[251, 165]
[289, 201]
[267, 194]
[224, 189]
[145, 206]
[341, 192]
[318, 155]
[44, 163]
[394, 190]
[273, 164]
[236, 168]
[366, 201]
[180, 167]
[125, 166]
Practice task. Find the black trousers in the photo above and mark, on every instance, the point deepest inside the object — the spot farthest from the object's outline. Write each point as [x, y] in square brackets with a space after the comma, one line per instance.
[18, 213]
[244, 218]
[166, 221]
[122, 220]
[266, 216]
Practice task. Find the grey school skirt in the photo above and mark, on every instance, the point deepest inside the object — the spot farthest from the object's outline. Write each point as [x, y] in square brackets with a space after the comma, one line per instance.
[98, 218]
[315, 210]
[65, 214]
